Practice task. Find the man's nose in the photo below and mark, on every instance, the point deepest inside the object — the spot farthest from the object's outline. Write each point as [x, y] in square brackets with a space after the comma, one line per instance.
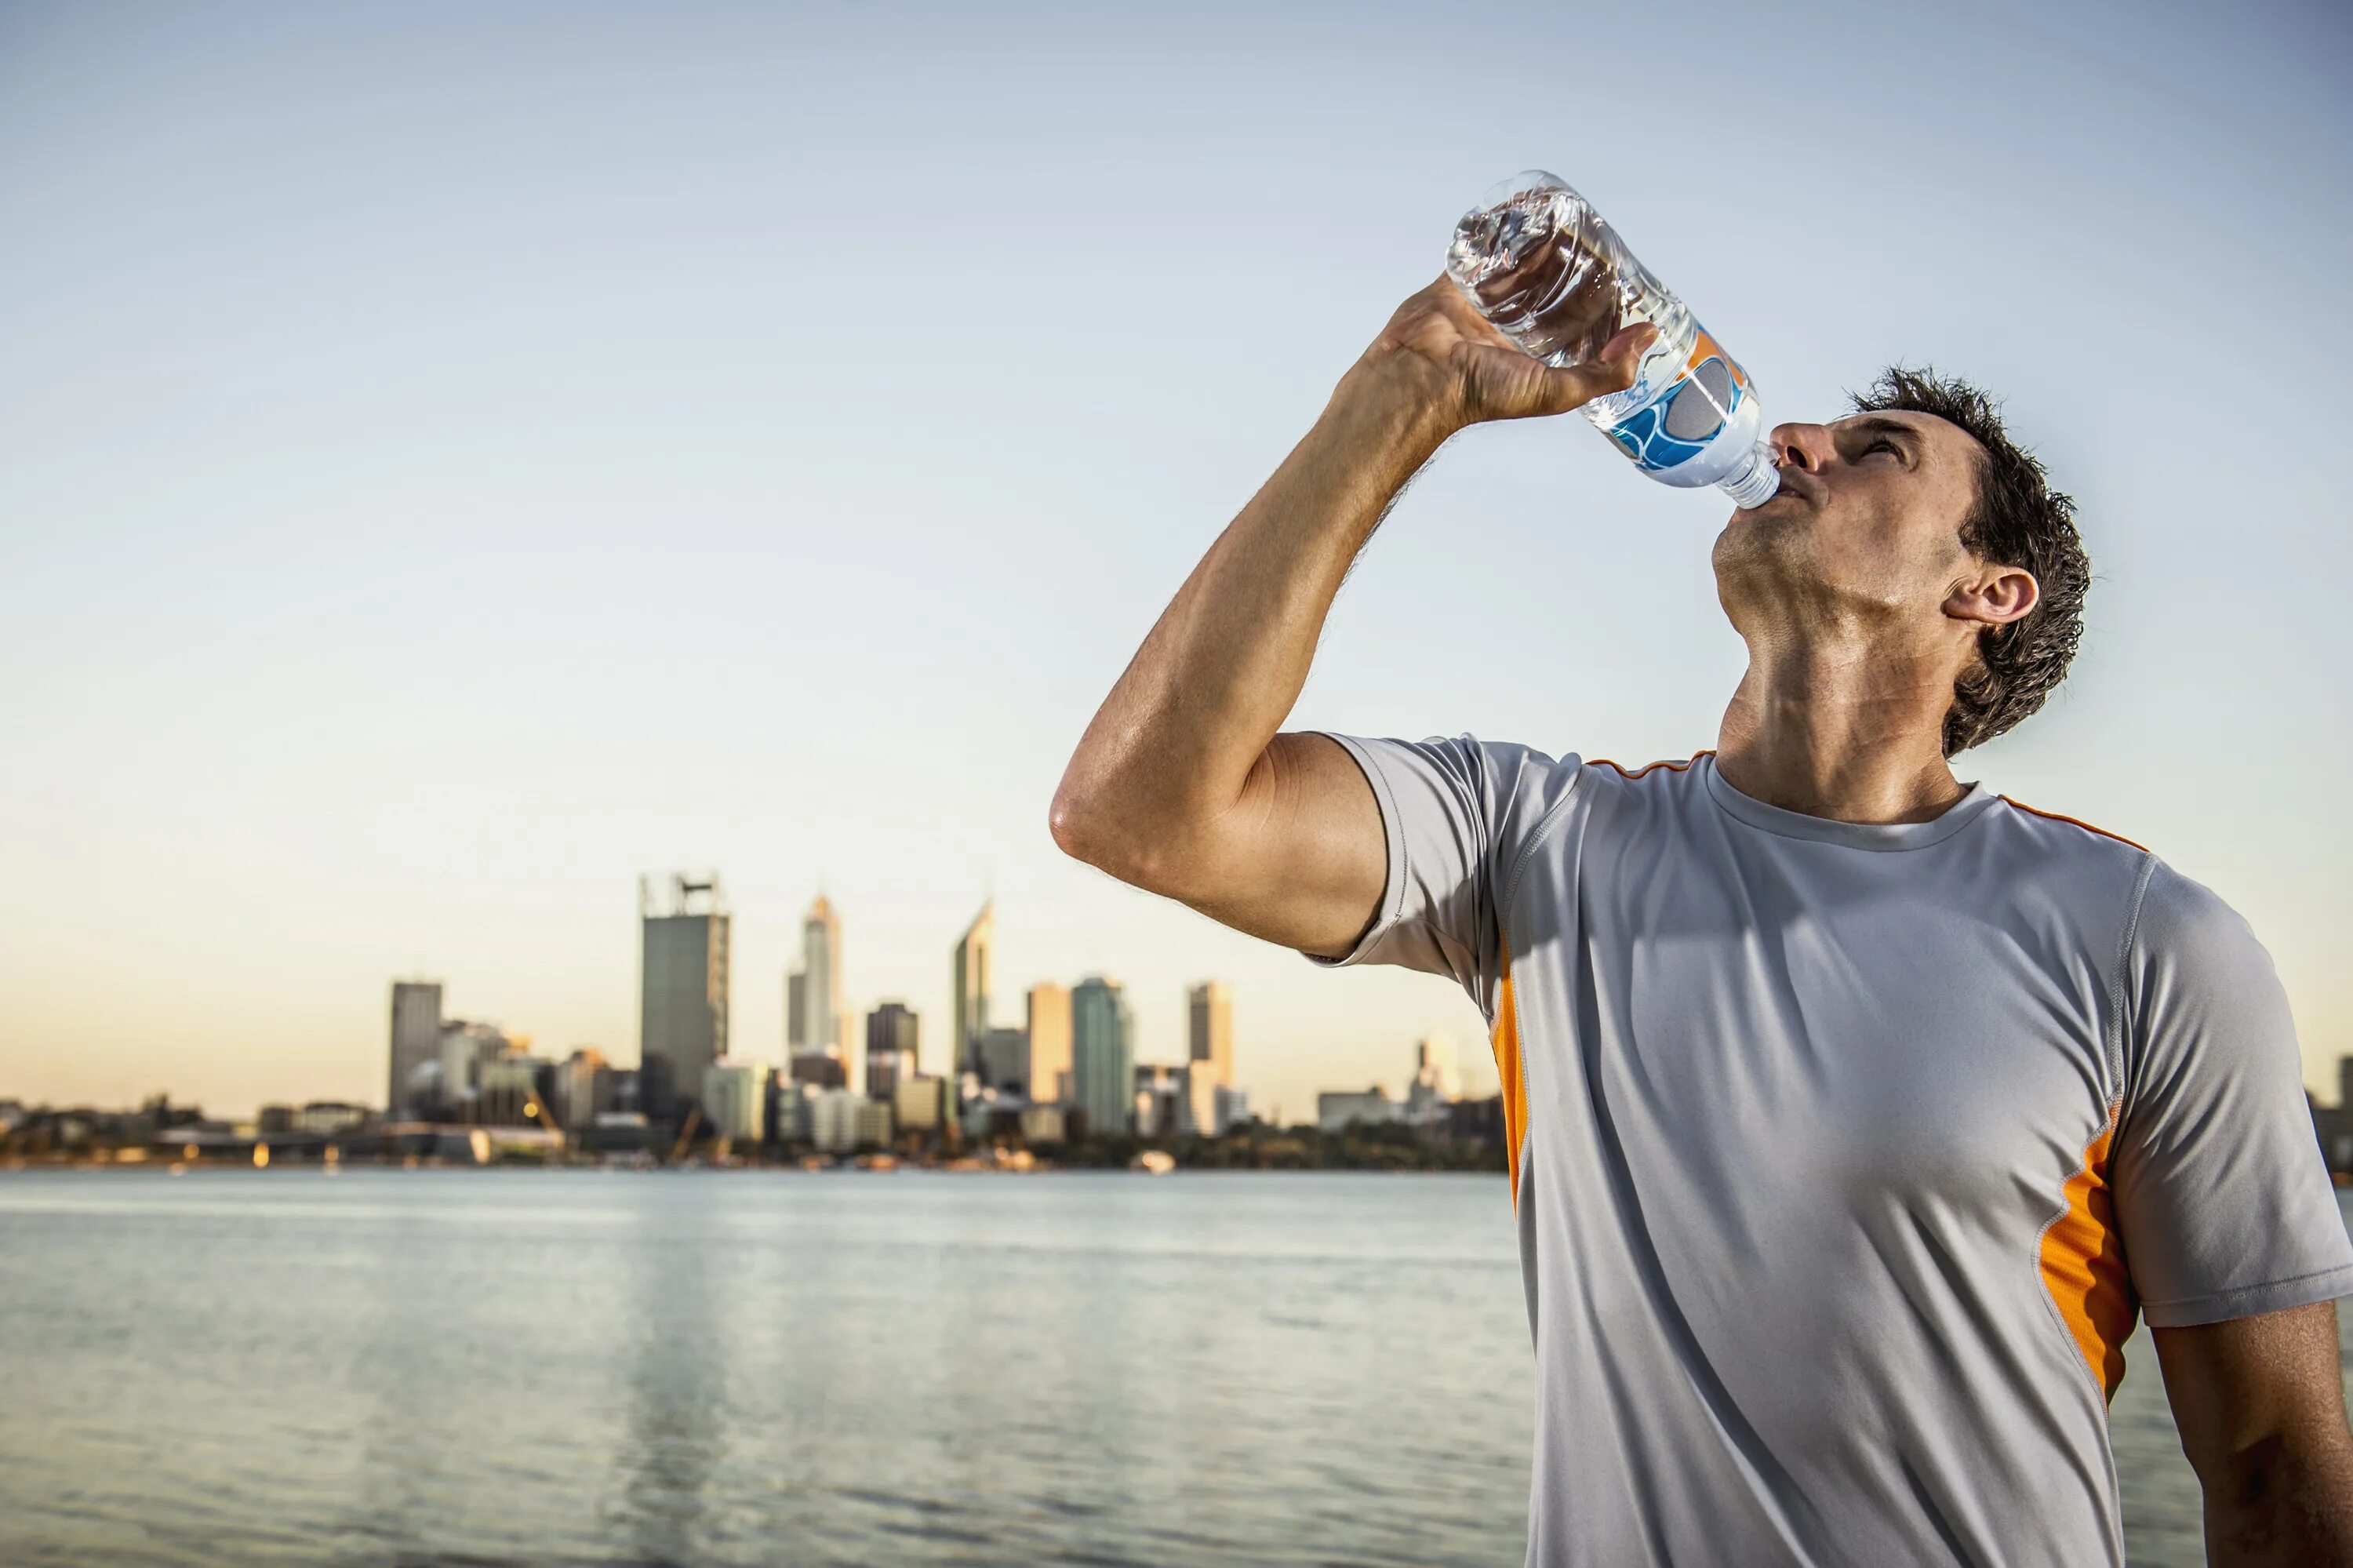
[1808, 447]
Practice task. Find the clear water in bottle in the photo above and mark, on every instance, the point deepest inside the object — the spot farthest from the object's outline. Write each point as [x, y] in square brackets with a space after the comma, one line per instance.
[1554, 277]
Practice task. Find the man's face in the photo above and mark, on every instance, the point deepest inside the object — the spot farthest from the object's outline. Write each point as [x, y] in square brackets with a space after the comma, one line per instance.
[1866, 527]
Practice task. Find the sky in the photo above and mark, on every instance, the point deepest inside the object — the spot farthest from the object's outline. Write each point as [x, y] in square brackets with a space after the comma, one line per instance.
[456, 459]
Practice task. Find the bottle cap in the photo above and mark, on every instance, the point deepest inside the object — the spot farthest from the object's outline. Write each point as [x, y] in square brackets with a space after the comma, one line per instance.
[1754, 482]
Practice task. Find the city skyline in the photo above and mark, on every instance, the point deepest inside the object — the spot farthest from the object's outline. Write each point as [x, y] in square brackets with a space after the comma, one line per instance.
[453, 464]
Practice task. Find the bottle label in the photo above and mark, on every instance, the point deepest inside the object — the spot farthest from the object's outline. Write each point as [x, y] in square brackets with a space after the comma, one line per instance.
[1677, 425]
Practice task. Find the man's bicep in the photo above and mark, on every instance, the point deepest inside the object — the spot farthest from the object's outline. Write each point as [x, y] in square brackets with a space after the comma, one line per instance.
[1302, 858]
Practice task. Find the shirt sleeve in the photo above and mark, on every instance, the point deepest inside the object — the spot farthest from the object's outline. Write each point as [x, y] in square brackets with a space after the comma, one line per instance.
[1455, 813]
[2223, 1196]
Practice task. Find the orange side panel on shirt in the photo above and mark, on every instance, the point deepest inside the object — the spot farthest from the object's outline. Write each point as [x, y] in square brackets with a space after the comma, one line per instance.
[2083, 1266]
[1507, 1070]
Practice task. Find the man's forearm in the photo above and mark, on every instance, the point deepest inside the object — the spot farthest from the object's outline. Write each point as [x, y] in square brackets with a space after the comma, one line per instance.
[1177, 738]
[2284, 1510]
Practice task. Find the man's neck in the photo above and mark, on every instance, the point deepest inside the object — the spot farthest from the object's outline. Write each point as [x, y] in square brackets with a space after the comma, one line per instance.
[1850, 731]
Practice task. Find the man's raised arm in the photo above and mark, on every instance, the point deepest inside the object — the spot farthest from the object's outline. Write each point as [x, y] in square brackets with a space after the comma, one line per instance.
[1182, 784]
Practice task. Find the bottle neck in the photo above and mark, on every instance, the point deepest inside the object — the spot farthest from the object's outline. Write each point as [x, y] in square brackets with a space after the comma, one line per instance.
[1756, 482]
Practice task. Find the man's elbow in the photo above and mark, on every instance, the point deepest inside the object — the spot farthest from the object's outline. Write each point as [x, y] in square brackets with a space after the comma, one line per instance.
[1118, 843]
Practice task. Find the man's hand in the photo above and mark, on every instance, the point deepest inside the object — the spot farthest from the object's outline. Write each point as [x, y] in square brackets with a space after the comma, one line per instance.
[1181, 785]
[1442, 354]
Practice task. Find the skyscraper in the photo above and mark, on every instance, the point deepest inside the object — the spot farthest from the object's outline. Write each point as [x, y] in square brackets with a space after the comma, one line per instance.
[682, 991]
[891, 1049]
[970, 989]
[1211, 1010]
[415, 1038]
[814, 1026]
[1049, 1043]
[1102, 1054]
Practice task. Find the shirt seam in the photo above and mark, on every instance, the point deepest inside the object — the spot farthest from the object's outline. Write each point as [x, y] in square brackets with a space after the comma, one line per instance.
[2214, 1297]
[1536, 837]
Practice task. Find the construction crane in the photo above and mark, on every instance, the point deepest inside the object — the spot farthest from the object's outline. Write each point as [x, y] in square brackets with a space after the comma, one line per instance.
[686, 1133]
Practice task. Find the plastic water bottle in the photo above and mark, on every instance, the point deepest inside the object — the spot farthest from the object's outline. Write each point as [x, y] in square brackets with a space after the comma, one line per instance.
[1554, 277]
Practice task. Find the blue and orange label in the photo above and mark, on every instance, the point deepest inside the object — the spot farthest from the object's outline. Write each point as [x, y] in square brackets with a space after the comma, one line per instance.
[1677, 425]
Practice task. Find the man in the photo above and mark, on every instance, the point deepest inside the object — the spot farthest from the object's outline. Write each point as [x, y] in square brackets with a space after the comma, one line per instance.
[1853, 1111]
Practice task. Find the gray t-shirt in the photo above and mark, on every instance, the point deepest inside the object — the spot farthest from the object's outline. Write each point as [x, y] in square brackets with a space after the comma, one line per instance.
[1843, 1155]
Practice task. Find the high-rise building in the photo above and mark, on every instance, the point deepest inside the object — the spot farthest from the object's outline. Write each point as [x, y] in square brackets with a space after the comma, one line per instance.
[970, 990]
[1049, 1043]
[891, 1049]
[581, 1089]
[1102, 1054]
[1004, 1058]
[843, 1120]
[1436, 1081]
[915, 1099]
[458, 1058]
[735, 1096]
[814, 1023]
[1197, 1102]
[1158, 1099]
[682, 995]
[508, 1090]
[415, 1039]
[1210, 1007]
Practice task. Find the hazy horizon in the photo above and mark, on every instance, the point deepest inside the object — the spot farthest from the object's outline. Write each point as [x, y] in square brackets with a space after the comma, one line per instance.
[454, 462]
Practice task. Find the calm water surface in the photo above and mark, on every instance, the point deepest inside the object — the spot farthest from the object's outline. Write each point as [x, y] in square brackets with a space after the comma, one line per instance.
[722, 1368]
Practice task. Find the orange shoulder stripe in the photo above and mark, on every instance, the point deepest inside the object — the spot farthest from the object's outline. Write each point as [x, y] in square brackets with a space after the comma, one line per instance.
[2074, 822]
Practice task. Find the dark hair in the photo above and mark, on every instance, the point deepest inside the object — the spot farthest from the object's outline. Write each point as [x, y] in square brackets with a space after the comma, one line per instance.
[2018, 520]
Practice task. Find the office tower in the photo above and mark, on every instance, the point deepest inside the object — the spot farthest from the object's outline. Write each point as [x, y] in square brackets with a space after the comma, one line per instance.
[582, 1089]
[1198, 1101]
[1210, 1009]
[458, 1058]
[415, 1039]
[970, 990]
[822, 1068]
[915, 1099]
[1158, 1099]
[842, 1121]
[812, 1024]
[1049, 1043]
[683, 996]
[891, 1048]
[1005, 1060]
[796, 1008]
[508, 1091]
[1102, 1054]
[735, 1098]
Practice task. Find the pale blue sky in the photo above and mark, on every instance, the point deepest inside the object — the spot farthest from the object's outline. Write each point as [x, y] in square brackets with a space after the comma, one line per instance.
[453, 459]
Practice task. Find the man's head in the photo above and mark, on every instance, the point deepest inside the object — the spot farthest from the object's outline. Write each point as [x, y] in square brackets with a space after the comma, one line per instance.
[1915, 523]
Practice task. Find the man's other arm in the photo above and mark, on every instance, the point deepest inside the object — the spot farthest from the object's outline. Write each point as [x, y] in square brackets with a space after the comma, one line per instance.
[2260, 1404]
[1182, 785]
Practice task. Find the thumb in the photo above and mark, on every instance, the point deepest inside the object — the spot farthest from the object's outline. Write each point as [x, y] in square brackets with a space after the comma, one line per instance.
[1611, 370]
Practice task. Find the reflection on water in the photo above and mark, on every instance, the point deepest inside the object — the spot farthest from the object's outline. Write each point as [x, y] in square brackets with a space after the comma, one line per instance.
[525, 1367]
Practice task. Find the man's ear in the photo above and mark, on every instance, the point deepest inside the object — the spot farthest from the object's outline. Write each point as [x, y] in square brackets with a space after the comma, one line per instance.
[1994, 596]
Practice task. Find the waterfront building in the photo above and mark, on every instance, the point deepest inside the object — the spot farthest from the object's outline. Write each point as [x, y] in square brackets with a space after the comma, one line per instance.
[449, 1092]
[969, 988]
[1209, 1018]
[1335, 1109]
[683, 989]
[415, 1039]
[736, 1100]
[917, 1100]
[581, 1087]
[1004, 1061]
[1196, 1100]
[1050, 1043]
[1157, 1096]
[1232, 1109]
[1437, 1082]
[818, 1022]
[330, 1119]
[508, 1090]
[1102, 1054]
[273, 1121]
[1044, 1123]
[843, 1121]
[892, 1037]
[820, 1068]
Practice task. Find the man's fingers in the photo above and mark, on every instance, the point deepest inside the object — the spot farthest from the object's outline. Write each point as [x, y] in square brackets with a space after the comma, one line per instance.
[1613, 370]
